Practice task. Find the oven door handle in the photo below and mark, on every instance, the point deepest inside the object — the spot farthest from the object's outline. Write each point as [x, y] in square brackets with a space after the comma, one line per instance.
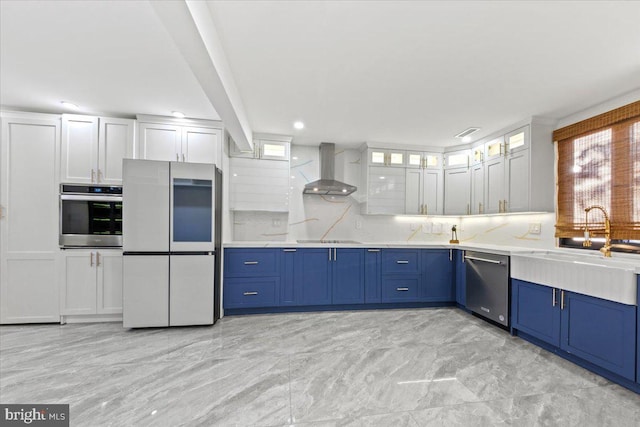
[491, 261]
[91, 198]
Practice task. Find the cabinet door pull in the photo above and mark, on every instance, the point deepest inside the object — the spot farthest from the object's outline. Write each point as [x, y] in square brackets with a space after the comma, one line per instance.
[335, 254]
[177, 157]
[504, 206]
[561, 300]
[553, 299]
[402, 289]
[468, 209]
[97, 259]
[402, 262]
[99, 176]
[92, 175]
[329, 254]
[91, 259]
[1, 212]
[183, 158]
[373, 250]
[289, 250]
[450, 254]
[250, 262]
[247, 294]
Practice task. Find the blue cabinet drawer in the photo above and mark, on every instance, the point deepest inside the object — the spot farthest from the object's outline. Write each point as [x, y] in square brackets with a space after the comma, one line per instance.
[403, 288]
[251, 262]
[251, 292]
[401, 261]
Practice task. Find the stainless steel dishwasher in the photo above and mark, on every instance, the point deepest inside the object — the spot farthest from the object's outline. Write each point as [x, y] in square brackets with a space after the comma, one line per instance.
[488, 285]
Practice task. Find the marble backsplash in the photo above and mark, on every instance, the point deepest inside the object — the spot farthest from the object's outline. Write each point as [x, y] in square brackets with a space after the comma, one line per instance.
[339, 218]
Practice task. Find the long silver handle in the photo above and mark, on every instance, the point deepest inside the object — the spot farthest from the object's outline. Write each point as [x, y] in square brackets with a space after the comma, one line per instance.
[491, 261]
[450, 254]
[402, 262]
[554, 298]
[402, 289]
[97, 259]
[329, 254]
[373, 250]
[91, 198]
[289, 250]
[246, 294]
[250, 262]
[335, 254]
[91, 259]
[561, 300]
[463, 256]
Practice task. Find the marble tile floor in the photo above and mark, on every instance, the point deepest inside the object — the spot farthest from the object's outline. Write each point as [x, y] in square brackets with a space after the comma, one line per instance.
[417, 367]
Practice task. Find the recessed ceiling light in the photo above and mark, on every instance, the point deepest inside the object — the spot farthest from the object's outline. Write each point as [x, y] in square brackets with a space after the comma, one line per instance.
[178, 114]
[467, 132]
[69, 105]
[298, 125]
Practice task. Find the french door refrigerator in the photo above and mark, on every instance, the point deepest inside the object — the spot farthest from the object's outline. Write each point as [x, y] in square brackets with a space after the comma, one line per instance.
[169, 241]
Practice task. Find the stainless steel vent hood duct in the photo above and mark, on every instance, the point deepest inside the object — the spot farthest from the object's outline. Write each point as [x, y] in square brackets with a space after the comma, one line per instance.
[327, 185]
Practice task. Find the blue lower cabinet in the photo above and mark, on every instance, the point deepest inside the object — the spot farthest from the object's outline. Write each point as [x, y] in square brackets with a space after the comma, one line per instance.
[601, 332]
[250, 292]
[535, 310]
[348, 276]
[598, 331]
[401, 288]
[401, 261]
[461, 279]
[437, 275]
[290, 285]
[372, 276]
[247, 262]
[313, 275]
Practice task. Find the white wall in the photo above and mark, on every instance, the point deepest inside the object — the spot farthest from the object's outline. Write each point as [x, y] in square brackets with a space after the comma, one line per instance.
[339, 218]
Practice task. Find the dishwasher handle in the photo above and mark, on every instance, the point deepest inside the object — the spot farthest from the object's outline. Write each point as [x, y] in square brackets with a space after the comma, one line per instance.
[491, 261]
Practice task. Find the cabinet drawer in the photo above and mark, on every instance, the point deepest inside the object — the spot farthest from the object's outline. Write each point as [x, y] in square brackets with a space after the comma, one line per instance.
[401, 261]
[251, 262]
[400, 288]
[250, 292]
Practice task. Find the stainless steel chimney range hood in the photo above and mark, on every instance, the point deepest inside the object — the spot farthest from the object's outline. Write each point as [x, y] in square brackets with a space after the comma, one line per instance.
[327, 185]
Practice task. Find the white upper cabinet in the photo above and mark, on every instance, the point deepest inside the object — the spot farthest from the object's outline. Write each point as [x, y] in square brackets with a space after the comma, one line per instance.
[457, 191]
[93, 148]
[424, 184]
[159, 142]
[378, 157]
[184, 140]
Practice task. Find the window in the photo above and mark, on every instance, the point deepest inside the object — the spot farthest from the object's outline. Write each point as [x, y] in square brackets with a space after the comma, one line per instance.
[599, 164]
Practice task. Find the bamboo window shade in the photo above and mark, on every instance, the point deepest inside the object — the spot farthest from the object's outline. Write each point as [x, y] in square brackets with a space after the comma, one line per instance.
[599, 164]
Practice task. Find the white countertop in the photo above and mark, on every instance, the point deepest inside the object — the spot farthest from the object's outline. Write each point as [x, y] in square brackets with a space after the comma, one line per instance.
[495, 249]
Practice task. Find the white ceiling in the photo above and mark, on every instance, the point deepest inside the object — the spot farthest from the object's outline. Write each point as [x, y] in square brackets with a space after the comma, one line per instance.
[399, 72]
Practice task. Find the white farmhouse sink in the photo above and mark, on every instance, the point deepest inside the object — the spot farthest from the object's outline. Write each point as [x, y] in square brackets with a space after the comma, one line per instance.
[606, 278]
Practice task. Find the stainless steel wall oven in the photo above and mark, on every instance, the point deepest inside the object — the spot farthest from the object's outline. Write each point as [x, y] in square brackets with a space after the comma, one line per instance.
[90, 215]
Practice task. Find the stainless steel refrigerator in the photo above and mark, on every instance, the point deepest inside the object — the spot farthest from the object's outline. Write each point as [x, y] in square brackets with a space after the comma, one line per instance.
[171, 228]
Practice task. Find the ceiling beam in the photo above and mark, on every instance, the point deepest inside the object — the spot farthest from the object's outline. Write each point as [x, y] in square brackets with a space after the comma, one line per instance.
[190, 25]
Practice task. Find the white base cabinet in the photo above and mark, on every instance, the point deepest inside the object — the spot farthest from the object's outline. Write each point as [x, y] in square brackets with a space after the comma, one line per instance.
[91, 282]
[29, 172]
